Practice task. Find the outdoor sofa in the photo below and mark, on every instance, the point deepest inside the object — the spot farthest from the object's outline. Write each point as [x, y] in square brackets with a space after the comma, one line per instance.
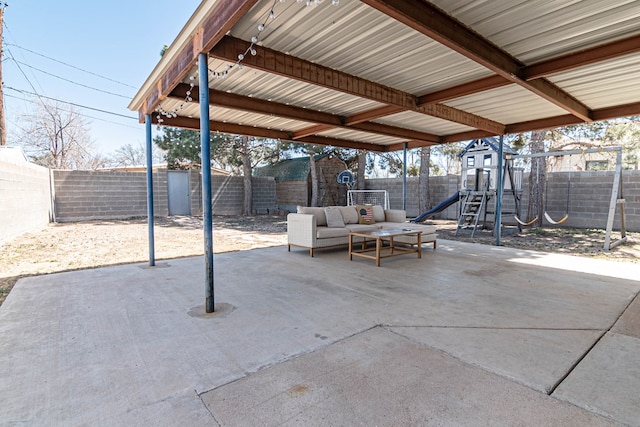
[317, 227]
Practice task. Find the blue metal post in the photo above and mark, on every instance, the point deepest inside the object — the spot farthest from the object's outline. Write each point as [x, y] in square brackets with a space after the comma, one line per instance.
[152, 250]
[205, 153]
[498, 222]
[404, 177]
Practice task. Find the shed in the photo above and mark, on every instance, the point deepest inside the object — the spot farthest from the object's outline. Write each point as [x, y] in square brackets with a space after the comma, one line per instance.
[293, 181]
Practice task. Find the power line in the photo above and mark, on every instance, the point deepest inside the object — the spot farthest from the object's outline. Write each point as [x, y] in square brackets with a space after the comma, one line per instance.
[72, 66]
[83, 115]
[70, 103]
[29, 81]
[71, 81]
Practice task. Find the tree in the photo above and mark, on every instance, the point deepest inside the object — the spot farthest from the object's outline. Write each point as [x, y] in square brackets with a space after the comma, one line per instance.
[537, 178]
[57, 137]
[130, 155]
[361, 170]
[182, 147]
[447, 157]
[423, 180]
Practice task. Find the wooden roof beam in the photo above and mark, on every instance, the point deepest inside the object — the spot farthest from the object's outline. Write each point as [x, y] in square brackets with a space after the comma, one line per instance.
[233, 101]
[464, 89]
[279, 63]
[235, 129]
[437, 25]
[607, 113]
[583, 57]
[222, 17]
[540, 69]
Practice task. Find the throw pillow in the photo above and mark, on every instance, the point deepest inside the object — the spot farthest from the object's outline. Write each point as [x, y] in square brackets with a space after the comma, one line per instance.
[365, 214]
[378, 213]
[334, 218]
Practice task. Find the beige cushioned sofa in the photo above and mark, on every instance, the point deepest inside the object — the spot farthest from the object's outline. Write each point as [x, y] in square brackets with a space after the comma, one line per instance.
[312, 228]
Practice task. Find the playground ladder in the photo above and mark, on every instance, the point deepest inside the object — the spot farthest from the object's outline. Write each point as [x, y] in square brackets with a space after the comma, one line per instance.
[472, 208]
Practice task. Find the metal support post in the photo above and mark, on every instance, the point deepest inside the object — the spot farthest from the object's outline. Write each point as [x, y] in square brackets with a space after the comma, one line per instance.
[404, 178]
[497, 228]
[205, 153]
[149, 149]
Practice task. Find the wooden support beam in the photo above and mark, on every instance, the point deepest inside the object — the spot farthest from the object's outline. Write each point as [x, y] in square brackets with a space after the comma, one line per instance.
[632, 109]
[258, 132]
[469, 88]
[583, 57]
[437, 25]
[239, 102]
[374, 113]
[279, 63]
[311, 130]
[410, 145]
[222, 17]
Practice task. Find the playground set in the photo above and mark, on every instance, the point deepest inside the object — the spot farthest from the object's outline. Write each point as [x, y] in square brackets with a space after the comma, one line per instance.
[477, 196]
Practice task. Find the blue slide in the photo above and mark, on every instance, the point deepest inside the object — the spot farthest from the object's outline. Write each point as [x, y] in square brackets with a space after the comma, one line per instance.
[436, 210]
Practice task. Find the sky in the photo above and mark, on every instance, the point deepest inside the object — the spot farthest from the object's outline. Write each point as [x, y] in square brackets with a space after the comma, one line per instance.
[91, 53]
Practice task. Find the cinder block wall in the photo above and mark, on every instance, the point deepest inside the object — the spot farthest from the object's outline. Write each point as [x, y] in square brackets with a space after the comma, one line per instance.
[87, 195]
[25, 194]
[264, 195]
[227, 194]
[590, 194]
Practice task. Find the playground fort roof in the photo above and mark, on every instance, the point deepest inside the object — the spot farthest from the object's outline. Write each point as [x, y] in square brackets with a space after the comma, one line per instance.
[387, 74]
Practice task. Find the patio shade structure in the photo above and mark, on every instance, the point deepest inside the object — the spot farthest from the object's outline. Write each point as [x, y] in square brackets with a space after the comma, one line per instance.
[384, 75]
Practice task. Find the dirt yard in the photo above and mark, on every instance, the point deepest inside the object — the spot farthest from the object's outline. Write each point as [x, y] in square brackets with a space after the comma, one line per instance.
[73, 246]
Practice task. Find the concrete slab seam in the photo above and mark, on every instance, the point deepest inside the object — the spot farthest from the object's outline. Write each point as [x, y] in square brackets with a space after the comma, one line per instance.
[286, 359]
[206, 407]
[499, 328]
[578, 361]
[603, 333]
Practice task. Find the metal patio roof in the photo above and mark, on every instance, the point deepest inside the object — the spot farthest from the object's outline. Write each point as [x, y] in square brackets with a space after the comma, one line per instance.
[385, 74]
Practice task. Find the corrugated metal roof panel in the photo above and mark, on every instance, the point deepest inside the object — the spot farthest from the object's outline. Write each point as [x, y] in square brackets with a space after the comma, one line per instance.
[357, 39]
[363, 42]
[515, 105]
[361, 136]
[423, 123]
[262, 85]
[533, 30]
[604, 84]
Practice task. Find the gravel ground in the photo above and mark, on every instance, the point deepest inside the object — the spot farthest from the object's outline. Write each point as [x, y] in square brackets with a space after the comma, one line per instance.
[73, 246]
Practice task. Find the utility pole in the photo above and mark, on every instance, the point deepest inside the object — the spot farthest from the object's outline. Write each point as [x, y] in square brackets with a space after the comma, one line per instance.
[3, 125]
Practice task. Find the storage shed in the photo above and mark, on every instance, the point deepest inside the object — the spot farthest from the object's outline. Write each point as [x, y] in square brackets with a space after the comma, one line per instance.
[293, 181]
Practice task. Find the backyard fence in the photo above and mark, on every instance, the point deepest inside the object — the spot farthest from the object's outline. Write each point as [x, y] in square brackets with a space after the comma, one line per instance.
[33, 196]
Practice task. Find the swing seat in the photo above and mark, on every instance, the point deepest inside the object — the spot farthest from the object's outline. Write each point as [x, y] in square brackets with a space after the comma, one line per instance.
[551, 220]
[526, 224]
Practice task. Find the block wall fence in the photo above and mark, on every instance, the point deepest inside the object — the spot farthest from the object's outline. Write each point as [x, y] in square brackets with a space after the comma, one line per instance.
[31, 196]
[25, 194]
[589, 197]
[88, 195]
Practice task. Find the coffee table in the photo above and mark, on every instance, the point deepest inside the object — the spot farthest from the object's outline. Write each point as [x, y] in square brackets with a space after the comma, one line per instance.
[380, 250]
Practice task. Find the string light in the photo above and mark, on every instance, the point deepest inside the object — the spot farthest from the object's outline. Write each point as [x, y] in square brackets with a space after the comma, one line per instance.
[251, 50]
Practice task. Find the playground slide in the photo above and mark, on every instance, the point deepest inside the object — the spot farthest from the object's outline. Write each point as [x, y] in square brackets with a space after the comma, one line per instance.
[436, 210]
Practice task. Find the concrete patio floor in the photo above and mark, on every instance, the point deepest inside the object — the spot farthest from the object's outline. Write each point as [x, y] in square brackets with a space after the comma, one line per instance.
[468, 335]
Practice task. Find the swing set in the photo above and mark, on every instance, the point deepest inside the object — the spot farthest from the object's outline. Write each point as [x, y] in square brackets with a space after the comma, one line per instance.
[546, 203]
[617, 197]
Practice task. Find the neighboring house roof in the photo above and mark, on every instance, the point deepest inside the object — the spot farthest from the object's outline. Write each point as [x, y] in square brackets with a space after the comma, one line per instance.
[484, 143]
[296, 169]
